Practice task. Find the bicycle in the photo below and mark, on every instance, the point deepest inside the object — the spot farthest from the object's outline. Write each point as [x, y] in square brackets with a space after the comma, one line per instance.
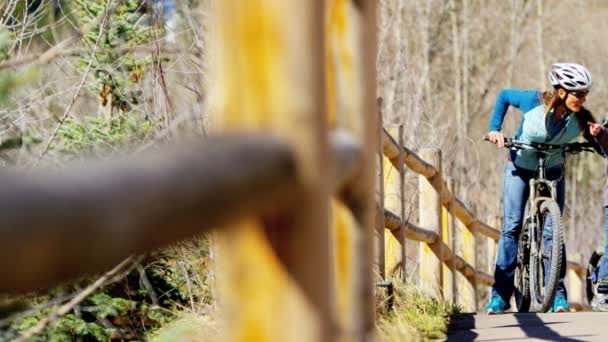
[530, 291]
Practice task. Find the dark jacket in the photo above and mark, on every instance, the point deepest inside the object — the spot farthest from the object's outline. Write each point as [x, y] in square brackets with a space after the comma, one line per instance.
[602, 140]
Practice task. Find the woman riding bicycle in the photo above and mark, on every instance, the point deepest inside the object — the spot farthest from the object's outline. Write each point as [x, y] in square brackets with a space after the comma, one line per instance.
[554, 117]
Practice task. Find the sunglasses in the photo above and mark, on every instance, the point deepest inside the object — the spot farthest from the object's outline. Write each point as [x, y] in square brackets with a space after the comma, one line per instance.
[580, 93]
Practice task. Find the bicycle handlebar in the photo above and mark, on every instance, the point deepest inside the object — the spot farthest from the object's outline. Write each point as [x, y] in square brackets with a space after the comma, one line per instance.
[572, 148]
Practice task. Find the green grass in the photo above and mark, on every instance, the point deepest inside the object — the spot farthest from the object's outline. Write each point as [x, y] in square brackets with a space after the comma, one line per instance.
[414, 317]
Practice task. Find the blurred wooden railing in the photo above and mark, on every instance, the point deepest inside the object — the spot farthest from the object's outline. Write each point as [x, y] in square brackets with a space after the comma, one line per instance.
[286, 183]
[444, 219]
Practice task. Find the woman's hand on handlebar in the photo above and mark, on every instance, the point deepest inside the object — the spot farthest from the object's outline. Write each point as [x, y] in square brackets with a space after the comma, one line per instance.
[497, 138]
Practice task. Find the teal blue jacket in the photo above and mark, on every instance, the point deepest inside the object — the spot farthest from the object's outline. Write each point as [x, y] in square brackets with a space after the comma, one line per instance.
[532, 127]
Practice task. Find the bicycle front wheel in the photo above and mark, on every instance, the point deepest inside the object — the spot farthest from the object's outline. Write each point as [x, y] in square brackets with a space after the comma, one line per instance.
[542, 293]
[522, 268]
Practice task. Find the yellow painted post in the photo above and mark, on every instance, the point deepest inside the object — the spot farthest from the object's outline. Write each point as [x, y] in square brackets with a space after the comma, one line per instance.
[489, 246]
[402, 201]
[381, 247]
[344, 66]
[380, 235]
[449, 238]
[351, 104]
[346, 237]
[431, 275]
[575, 282]
[492, 245]
[268, 72]
[476, 266]
[392, 202]
[467, 293]
[363, 189]
[574, 287]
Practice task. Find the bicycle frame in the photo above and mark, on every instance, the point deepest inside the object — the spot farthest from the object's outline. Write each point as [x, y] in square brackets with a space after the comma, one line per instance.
[537, 185]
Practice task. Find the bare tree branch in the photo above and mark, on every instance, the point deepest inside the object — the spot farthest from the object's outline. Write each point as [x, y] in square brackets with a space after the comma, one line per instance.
[60, 50]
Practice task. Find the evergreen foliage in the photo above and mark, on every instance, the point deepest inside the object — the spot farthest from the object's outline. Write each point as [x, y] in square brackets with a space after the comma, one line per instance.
[128, 309]
[100, 136]
[117, 70]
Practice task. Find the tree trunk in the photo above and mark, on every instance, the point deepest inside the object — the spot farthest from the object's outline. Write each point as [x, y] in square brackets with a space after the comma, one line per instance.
[539, 41]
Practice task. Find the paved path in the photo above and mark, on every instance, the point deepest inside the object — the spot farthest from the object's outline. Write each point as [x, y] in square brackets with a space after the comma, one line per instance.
[570, 327]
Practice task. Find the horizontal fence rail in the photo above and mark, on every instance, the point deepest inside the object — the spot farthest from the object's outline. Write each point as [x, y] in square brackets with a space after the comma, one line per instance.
[57, 225]
[60, 224]
[413, 232]
[452, 204]
[448, 200]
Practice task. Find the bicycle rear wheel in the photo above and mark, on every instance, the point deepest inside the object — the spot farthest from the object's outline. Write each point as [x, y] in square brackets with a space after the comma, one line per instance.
[542, 294]
[594, 263]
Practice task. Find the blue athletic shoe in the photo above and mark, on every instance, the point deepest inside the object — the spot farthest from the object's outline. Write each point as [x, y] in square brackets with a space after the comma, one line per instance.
[560, 305]
[496, 306]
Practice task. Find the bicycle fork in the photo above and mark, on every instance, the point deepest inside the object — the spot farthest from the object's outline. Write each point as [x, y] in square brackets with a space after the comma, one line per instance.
[533, 200]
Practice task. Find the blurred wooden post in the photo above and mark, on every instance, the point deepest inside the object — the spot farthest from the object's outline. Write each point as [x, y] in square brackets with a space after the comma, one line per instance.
[492, 245]
[575, 288]
[575, 282]
[381, 226]
[431, 275]
[351, 104]
[269, 59]
[450, 287]
[346, 236]
[363, 190]
[476, 266]
[402, 201]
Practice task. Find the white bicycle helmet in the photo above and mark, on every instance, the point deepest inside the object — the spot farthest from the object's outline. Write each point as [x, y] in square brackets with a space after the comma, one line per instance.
[570, 76]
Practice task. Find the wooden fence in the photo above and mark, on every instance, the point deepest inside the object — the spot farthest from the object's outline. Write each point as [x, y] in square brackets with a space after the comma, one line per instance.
[286, 184]
[445, 269]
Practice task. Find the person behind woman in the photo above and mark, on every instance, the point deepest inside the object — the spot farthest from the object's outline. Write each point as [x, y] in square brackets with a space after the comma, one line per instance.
[600, 301]
[554, 117]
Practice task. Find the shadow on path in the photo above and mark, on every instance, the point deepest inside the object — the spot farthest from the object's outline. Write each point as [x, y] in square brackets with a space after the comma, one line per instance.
[462, 328]
[534, 327]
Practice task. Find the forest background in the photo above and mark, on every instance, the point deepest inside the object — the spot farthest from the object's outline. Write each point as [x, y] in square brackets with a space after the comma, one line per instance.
[441, 65]
[97, 77]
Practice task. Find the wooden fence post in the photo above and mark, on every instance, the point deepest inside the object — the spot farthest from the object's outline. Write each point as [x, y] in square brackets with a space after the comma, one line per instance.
[364, 188]
[431, 269]
[476, 239]
[287, 258]
[350, 58]
[394, 203]
[575, 284]
[490, 247]
[467, 287]
[381, 248]
[450, 287]
[402, 241]
[495, 222]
